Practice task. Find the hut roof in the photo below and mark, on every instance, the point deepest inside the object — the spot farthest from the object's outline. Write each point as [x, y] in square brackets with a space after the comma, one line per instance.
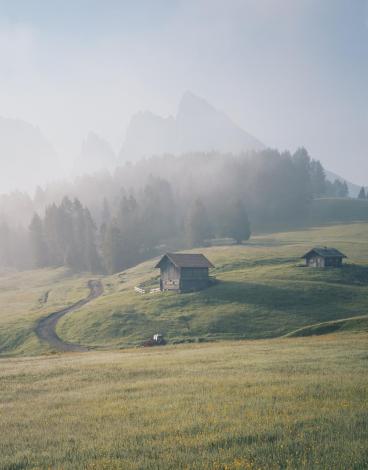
[325, 252]
[186, 260]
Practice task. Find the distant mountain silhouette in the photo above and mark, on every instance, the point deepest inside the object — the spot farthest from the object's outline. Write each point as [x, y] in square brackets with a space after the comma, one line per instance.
[96, 154]
[197, 127]
[25, 154]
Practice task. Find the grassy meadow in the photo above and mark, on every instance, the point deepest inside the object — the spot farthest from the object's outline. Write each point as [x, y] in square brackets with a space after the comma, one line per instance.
[27, 296]
[295, 397]
[296, 403]
[263, 292]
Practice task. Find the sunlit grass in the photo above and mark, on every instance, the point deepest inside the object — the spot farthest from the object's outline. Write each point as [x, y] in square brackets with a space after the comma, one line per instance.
[271, 404]
[263, 292]
[27, 296]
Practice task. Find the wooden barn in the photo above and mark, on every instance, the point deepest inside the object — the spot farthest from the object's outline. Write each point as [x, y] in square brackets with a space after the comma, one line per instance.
[184, 272]
[324, 258]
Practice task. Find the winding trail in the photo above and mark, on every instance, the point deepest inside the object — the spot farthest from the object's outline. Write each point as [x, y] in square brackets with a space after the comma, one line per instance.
[45, 328]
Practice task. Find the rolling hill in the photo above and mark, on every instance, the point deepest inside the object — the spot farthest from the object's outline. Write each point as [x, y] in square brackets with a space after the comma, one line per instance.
[262, 292]
[295, 399]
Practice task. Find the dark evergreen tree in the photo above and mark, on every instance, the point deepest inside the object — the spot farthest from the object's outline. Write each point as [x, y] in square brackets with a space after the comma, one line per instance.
[38, 242]
[92, 261]
[337, 189]
[362, 194]
[112, 249]
[344, 190]
[6, 255]
[198, 226]
[105, 212]
[158, 215]
[70, 236]
[237, 223]
[53, 229]
[318, 178]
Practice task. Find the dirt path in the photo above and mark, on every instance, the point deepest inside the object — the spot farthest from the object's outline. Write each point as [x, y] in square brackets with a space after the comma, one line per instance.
[45, 328]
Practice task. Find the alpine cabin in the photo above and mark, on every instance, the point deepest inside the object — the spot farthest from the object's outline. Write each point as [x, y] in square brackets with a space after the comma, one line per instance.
[324, 258]
[184, 272]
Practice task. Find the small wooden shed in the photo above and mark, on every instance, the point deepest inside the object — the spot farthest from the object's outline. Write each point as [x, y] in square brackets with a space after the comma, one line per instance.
[184, 272]
[324, 257]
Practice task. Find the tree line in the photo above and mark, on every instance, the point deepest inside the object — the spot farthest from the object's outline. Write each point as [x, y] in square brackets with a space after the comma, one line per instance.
[108, 223]
[68, 236]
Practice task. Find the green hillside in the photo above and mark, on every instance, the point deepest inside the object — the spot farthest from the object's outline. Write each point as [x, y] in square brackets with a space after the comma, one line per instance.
[27, 296]
[354, 324]
[263, 292]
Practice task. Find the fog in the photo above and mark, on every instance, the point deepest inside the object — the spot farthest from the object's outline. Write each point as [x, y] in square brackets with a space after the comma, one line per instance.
[288, 73]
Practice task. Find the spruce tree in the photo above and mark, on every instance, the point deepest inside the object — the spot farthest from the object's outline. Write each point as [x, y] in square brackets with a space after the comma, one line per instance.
[38, 242]
[6, 255]
[198, 227]
[238, 226]
[90, 255]
[318, 178]
[105, 212]
[112, 248]
[362, 194]
[345, 189]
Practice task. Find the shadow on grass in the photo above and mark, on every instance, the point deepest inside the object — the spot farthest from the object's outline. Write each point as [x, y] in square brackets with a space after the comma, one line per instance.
[295, 296]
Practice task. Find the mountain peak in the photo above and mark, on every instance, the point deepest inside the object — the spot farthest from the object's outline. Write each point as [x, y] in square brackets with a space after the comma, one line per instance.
[193, 104]
[197, 127]
[30, 157]
[96, 154]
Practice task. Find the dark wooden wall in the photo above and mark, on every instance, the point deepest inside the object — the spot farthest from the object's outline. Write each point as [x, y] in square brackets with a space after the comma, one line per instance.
[184, 279]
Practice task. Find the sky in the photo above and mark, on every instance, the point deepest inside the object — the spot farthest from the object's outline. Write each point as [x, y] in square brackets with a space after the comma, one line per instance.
[290, 72]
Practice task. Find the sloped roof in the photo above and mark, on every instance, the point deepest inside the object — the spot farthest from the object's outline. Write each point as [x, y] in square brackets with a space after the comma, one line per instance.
[325, 252]
[186, 260]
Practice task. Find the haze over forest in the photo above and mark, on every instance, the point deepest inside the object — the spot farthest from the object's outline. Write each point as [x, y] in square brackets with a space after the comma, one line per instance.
[142, 127]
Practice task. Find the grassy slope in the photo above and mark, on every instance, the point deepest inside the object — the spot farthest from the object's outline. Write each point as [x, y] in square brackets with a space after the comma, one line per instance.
[354, 324]
[27, 296]
[296, 403]
[263, 293]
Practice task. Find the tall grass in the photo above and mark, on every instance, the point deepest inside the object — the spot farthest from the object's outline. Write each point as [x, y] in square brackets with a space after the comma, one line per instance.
[299, 403]
[27, 296]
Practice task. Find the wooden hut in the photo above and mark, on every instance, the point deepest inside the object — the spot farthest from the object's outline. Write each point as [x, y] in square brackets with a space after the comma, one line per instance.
[184, 272]
[324, 257]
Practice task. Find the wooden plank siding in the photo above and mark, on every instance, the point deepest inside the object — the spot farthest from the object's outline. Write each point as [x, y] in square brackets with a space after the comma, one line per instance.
[184, 273]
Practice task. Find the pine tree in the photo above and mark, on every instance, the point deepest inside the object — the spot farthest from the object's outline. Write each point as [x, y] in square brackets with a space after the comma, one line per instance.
[105, 212]
[90, 254]
[237, 223]
[112, 249]
[158, 215]
[198, 225]
[345, 190]
[6, 255]
[52, 228]
[38, 242]
[362, 194]
[129, 224]
[318, 178]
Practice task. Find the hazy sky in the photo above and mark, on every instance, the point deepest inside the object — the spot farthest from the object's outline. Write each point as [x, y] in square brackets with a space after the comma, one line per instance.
[290, 72]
